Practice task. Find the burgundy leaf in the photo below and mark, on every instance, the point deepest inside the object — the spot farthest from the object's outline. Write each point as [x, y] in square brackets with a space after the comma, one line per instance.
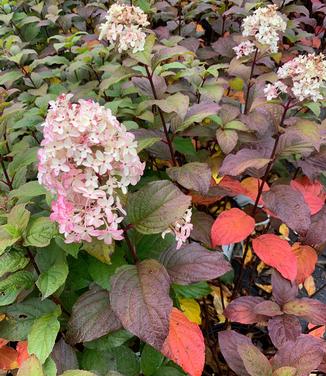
[289, 206]
[236, 164]
[282, 329]
[92, 317]
[316, 234]
[195, 176]
[64, 356]
[314, 164]
[193, 263]
[311, 310]
[229, 341]
[143, 84]
[254, 361]
[305, 354]
[202, 224]
[243, 310]
[224, 46]
[140, 298]
[268, 308]
[283, 289]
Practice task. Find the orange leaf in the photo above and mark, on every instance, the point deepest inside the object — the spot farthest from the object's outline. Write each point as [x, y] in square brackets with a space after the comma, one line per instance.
[277, 253]
[8, 358]
[231, 226]
[233, 186]
[22, 352]
[313, 193]
[306, 261]
[251, 185]
[185, 344]
[3, 342]
[318, 332]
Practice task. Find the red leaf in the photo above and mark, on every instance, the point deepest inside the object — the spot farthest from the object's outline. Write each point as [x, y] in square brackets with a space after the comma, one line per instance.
[311, 310]
[3, 342]
[8, 358]
[276, 252]
[243, 310]
[306, 261]
[232, 186]
[22, 352]
[312, 192]
[185, 344]
[231, 226]
[251, 185]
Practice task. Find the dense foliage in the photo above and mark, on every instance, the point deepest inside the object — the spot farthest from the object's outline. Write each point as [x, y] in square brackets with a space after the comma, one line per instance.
[163, 170]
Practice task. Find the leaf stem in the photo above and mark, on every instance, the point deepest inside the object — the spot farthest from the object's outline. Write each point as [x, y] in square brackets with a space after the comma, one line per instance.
[238, 283]
[166, 132]
[131, 247]
[5, 173]
[250, 84]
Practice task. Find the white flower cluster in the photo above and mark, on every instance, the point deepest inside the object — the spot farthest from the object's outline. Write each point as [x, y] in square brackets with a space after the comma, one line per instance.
[123, 26]
[304, 77]
[181, 228]
[265, 25]
[245, 48]
[87, 156]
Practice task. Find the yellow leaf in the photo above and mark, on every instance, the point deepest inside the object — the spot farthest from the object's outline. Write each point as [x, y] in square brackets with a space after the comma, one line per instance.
[249, 256]
[191, 309]
[199, 28]
[284, 231]
[260, 267]
[266, 288]
[309, 285]
[217, 300]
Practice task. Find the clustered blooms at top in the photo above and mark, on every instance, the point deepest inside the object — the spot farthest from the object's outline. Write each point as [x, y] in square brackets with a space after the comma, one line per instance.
[86, 157]
[123, 26]
[303, 78]
[181, 228]
[265, 25]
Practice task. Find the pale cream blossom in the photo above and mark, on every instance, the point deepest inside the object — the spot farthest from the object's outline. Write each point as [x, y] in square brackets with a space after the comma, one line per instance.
[180, 228]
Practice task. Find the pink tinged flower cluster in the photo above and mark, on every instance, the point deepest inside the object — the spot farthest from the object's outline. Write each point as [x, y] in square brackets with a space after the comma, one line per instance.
[87, 159]
[123, 26]
[245, 48]
[181, 228]
[265, 25]
[303, 78]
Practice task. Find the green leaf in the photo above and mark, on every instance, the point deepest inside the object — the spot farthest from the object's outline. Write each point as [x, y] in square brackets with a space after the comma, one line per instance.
[20, 317]
[168, 371]
[184, 146]
[151, 246]
[14, 285]
[111, 340]
[42, 336]
[71, 248]
[145, 143]
[50, 367]
[9, 77]
[101, 272]
[40, 232]
[167, 204]
[51, 280]
[78, 372]
[6, 239]
[195, 290]
[12, 261]
[236, 125]
[19, 216]
[31, 367]
[100, 250]
[150, 360]
[28, 190]
[212, 90]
